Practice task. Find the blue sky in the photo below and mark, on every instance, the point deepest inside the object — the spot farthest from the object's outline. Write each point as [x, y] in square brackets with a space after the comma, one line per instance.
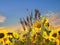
[15, 9]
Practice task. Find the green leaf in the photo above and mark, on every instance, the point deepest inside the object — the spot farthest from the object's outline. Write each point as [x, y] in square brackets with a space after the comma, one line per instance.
[51, 43]
[0, 43]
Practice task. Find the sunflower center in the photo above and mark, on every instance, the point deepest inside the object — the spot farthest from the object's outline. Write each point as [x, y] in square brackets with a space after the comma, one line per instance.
[9, 33]
[54, 35]
[59, 32]
[47, 40]
[39, 25]
[47, 24]
[1, 35]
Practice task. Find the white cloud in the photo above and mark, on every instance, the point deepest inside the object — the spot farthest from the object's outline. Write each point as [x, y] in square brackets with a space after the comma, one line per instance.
[2, 18]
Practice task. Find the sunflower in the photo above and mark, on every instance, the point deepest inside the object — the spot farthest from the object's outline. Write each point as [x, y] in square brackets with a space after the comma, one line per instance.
[36, 28]
[22, 36]
[34, 35]
[53, 35]
[37, 25]
[46, 21]
[7, 41]
[46, 24]
[10, 34]
[45, 35]
[33, 38]
[3, 35]
[57, 42]
[15, 35]
[34, 32]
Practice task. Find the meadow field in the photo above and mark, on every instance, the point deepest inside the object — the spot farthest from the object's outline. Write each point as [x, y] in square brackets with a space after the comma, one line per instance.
[36, 31]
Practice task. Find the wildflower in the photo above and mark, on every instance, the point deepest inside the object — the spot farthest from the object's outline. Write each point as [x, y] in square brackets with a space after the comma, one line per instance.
[23, 36]
[59, 32]
[45, 35]
[10, 34]
[53, 35]
[59, 35]
[46, 24]
[46, 20]
[37, 25]
[3, 35]
[15, 34]
[7, 41]
[34, 32]
[20, 38]
[33, 38]
[57, 42]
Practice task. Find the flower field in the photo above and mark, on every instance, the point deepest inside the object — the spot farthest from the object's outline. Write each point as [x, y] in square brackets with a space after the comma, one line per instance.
[36, 31]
